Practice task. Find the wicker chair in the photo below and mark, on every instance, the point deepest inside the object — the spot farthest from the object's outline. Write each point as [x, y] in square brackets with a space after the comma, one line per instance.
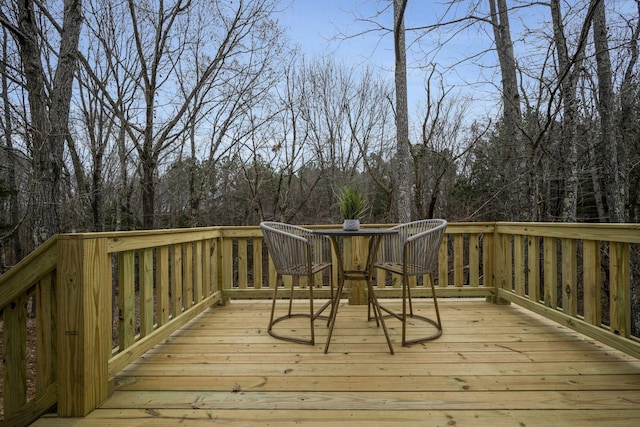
[413, 251]
[296, 251]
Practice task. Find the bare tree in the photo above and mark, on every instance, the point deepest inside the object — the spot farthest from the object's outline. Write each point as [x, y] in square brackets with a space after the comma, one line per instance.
[281, 151]
[402, 112]
[512, 115]
[615, 191]
[111, 65]
[439, 147]
[371, 124]
[569, 69]
[49, 102]
[629, 121]
[11, 154]
[325, 89]
[162, 38]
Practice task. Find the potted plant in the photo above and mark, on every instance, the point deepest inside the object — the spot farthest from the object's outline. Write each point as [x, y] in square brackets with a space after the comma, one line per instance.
[352, 206]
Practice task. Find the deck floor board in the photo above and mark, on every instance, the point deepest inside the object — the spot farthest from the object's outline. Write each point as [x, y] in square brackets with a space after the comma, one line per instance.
[494, 365]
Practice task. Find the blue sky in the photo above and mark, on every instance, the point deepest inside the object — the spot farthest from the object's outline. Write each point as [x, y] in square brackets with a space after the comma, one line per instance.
[467, 64]
[315, 25]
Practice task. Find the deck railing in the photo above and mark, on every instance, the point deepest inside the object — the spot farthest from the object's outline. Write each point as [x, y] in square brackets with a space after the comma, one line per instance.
[90, 304]
[580, 275]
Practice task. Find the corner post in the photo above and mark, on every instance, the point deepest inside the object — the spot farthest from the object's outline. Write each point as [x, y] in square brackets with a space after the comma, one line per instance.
[84, 329]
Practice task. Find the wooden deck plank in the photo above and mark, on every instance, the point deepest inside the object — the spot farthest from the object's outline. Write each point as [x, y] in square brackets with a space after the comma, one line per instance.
[433, 383]
[494, 365]
[381, 370]
[277, 418]
[505, 356]
[373, 400]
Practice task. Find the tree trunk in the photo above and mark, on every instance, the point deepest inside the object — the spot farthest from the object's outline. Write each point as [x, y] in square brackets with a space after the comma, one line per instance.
[49, 115]
[595, 179]
[123, 183]
[402, 114]
[629, 126]
[568, 77]
[629, 132]
[147, 185]
[613, 182]
[12, 159]
[522, 208]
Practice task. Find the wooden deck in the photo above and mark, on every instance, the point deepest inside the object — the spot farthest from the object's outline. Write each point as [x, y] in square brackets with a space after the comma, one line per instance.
[493, 366]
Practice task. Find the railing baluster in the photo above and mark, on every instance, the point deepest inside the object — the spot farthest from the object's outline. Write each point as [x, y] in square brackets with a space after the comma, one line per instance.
[217, 265]
[146, 291]
[176, 280]
[187, 281]
[45, 332]
[591, 282]
[243, 265]
[519, 265]
[550, 272]
[256, 246]
[474, 260]
[197, 272]
[488, 261]
[126, 299]
[533, 268]
[569, 277]
[227, 254]
[208, 261]
[443, 263]
[620, 302]
[162, 287]
[15, 355]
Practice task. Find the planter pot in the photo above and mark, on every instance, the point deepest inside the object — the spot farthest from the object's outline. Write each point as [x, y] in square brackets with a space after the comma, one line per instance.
[351, 225]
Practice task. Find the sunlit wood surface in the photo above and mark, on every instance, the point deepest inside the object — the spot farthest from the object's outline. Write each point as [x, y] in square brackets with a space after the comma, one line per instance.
[494, 365]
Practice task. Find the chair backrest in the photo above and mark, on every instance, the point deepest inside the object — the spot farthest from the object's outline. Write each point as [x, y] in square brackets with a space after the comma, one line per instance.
[290, 247]
[415, 245]
[422, 245]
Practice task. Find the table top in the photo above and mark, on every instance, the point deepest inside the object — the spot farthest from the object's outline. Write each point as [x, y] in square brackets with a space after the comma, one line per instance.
[360, 232]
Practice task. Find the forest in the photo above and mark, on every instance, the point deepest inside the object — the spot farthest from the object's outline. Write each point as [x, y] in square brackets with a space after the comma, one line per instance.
[125, 115]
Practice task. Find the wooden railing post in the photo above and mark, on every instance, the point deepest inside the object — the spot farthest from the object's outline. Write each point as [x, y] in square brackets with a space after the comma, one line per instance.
[225, 262]
[84, 324]
[501, 256]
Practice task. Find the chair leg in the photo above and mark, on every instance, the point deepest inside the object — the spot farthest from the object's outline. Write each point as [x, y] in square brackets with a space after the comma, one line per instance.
[405, 284]
[311, 312]
[273, 320]
[375, 312]
[331, 292]
[406, 295]
[410, 300]
[273, 304]
[291, 300]
[333, 315]
[312, 315]
[435, 305]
